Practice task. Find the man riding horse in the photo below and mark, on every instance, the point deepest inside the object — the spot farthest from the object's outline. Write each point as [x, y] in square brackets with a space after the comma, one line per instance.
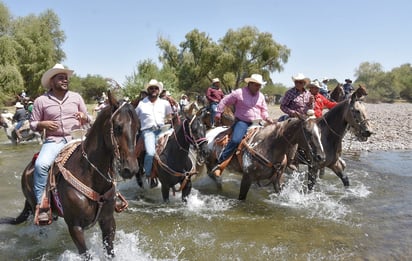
[250, 105]
[58, 111]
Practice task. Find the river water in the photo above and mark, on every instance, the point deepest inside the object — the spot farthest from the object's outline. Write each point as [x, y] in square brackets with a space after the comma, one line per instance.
[371, 220]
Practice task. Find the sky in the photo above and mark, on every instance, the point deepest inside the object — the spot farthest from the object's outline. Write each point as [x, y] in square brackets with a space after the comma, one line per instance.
[327, 38]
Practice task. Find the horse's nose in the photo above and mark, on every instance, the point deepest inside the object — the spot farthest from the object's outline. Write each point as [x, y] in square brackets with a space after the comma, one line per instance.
[367, 133]
[320, 158]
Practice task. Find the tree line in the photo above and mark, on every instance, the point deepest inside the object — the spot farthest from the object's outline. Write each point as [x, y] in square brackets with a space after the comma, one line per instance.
[32, 44]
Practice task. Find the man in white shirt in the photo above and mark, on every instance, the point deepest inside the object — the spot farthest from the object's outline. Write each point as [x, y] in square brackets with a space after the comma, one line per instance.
[152, 113]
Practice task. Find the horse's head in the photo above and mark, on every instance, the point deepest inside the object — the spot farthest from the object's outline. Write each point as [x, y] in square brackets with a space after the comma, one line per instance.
[357, 118]
[308, 138]
[196, 135]
[121, 125]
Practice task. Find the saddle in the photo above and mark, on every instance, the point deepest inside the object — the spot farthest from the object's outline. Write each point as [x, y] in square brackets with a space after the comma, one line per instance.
[160, 146]
[51, 195]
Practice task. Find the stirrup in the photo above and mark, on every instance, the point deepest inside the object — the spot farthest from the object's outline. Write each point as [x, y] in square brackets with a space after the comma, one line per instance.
[41, 216]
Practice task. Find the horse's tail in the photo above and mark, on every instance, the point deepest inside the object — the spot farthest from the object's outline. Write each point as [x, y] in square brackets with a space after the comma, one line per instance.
[24, 215]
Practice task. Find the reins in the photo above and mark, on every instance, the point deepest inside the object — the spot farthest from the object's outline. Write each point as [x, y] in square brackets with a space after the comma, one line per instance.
[91, 194]
[189, 137]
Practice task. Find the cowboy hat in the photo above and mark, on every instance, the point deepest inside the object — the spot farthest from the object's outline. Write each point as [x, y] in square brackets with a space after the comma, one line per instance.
[300, 77]
[155, 83]
[257, 78]
[215, 80]
[57, 68]
[19, 105]
[348, 80]
[314, 83]
[325, 79]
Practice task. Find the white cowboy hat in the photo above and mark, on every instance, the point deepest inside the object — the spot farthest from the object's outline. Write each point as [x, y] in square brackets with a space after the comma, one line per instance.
[300, 77]
[325, 79]
[257, 78]
[57, 68]
[314, 83]
[19, 105]
[215, 80]
[154, 82]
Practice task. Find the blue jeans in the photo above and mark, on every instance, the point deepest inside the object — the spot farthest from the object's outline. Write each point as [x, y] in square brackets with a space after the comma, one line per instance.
[150, 138]
[239, 131]
[19, 124]
[47, 155]
[213, 110]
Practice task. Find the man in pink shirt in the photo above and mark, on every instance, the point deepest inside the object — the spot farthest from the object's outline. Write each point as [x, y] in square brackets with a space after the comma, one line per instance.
[58, 112]
[250, 105]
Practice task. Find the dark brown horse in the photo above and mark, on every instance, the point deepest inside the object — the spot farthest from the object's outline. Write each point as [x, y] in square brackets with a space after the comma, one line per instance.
[85, 177]
[178, 152]
[262, 155]
[348, 114]
[337, 94]
[227, 118]
[175, 164]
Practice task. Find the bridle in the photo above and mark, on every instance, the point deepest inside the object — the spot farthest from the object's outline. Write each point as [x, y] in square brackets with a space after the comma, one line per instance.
[312, 154]
[189, 137]
[109, 178]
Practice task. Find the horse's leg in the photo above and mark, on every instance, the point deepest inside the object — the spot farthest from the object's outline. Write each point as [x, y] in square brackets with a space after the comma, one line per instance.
[321, 172]
[108, 227]
[186, 190]
[245, 186]
[312, 173]
[339, 168]
[165, 192]
[77, 234]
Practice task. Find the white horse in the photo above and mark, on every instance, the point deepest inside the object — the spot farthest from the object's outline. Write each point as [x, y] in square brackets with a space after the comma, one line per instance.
[6, 120]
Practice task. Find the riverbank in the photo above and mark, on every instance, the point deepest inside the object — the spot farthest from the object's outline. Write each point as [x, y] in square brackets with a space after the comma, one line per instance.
[391, 126]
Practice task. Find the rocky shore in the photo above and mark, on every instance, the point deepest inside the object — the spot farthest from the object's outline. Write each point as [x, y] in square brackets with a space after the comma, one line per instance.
[391, 126]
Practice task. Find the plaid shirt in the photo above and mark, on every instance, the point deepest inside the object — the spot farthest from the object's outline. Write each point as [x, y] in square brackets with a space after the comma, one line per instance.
[294, 101]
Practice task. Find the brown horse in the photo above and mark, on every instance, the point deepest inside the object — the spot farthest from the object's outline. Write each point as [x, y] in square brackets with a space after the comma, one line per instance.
[85, 177]
[334, 125]
[262, 155]
[227, 118]
[338, 94]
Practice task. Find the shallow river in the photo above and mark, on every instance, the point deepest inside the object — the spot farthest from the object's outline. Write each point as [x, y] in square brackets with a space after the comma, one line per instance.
[371, 220]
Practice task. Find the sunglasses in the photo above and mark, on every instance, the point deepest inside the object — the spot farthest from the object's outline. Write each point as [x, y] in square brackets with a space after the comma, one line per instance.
[300, 82]
[152, 88]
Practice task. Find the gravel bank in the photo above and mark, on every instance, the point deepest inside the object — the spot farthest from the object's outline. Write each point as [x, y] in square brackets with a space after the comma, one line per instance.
[391, 125]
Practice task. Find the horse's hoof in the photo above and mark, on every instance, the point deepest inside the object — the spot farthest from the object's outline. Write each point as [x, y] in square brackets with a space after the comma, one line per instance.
[152, 182]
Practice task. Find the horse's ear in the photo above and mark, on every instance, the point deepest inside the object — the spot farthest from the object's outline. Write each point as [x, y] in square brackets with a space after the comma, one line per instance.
[112, 100]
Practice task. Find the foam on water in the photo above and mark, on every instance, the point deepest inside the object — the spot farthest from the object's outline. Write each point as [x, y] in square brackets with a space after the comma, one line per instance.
[326, 201]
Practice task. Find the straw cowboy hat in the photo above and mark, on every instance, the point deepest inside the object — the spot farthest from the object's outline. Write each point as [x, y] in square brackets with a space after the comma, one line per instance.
[215, 80]
[19, 105]
[57, 68]
[314, 83]
[257, 78]
[300, 77]
[155, 83]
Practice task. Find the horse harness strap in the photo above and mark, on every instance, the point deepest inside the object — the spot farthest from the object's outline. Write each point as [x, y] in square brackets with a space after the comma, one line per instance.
[76, 183]
[259, 157]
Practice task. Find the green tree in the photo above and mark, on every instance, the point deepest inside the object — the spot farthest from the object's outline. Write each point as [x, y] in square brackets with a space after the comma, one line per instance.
[39, 41]
[402, 81]
[378, 83]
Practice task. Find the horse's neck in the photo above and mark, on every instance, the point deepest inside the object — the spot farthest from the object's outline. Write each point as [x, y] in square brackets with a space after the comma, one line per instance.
[334, 125]
[270, 142]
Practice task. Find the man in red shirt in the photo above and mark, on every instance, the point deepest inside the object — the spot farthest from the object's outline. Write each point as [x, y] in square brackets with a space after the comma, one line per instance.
[320, 101]
[214, 95]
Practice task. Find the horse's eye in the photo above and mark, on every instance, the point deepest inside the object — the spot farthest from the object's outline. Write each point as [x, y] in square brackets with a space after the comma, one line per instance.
[117, 130]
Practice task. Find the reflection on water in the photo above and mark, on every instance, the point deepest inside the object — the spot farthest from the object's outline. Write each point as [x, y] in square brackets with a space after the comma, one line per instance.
[370, 220]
